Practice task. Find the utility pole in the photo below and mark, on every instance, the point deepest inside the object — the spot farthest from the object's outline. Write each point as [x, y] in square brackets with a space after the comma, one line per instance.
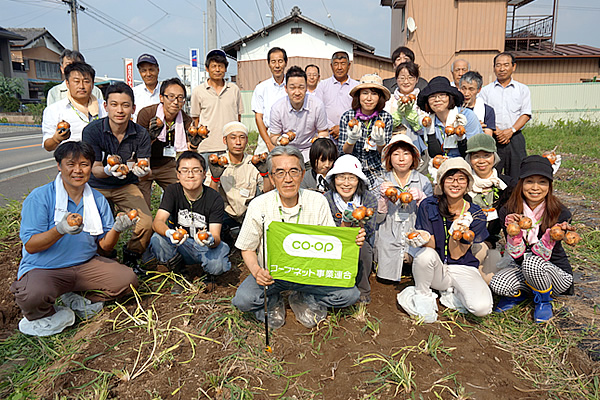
[74, 30]
[272, 11]
[211, 9]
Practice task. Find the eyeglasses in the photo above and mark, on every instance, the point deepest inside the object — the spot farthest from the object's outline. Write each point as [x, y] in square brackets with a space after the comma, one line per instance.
[194, 171]
[440, 96]
[293, 173]
[481, 156]
[461, 179]
[406, 79]
[346, 178]
[312, 75]
[172, 97]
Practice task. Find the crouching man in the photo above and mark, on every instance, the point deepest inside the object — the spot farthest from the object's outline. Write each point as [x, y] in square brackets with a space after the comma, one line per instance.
[289, 204]
[60, 256]
[198, 210]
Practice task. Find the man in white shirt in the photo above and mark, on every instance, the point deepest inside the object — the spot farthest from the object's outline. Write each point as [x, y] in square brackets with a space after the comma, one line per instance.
[511, 101]
[59, 91]
[290, 204]
[148, 92]
[78, 108]
[313, 77]
[266, 94]
[458, 69]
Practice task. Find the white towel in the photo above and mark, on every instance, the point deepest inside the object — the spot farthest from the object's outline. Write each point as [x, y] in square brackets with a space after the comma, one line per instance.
[92, 223]
[479, 109]
[180, 137]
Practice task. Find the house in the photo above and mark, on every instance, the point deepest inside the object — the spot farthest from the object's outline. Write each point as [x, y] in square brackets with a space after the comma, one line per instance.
[5, 61]
[36, 59]
[306, 42]
[476, 30]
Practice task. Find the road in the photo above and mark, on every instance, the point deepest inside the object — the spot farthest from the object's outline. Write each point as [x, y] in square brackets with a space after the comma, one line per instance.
[21, 148]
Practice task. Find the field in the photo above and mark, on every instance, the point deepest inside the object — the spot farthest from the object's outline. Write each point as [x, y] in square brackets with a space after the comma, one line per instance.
[196, 346]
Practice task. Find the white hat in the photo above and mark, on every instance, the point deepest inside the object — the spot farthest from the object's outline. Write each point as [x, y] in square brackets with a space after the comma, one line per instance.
[234, 126]
[347, 164]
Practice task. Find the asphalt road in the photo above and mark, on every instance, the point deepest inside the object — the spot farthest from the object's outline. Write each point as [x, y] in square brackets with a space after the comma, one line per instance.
[21, 147]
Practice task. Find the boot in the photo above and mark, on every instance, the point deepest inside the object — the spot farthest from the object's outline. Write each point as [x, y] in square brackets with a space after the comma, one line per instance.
[508, 302]
[177, 265]
[130, 258]
[543, 306]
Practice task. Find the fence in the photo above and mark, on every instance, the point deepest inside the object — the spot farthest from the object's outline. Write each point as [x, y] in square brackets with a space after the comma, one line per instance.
[551, 102]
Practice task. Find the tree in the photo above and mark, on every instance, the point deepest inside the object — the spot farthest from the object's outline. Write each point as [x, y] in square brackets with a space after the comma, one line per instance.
[9, 89]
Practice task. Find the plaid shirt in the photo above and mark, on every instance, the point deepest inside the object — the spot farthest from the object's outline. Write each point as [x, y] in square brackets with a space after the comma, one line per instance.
[370, 160]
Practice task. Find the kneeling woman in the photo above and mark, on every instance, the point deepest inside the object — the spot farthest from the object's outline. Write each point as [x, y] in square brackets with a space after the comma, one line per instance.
[447, 226]
[349, 185]
[539, 263]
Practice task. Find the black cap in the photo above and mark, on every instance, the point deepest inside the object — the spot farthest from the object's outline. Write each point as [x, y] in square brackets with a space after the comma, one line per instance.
[536, 165]
[439, 84]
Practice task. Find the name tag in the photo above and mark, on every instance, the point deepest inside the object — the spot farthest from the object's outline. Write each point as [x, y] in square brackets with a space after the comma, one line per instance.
[244, 193]
[169, 151]
[492, 214]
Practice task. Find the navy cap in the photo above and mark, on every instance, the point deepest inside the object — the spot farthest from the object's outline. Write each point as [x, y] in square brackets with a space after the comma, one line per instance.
[147, 58]
[216, 52]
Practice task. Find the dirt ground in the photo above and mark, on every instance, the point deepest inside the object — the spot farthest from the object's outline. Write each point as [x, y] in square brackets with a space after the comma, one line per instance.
[195, 345]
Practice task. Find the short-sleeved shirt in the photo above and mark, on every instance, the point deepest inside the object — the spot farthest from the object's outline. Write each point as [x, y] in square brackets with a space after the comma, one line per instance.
[144, 98]
[238, 186]
[265, 95]
[509, 102]
[429, 219]
[370, 160]
[336, 97]
[37, 216]
[157, 159]
[63, 110]
[192, 215]
[60, 91]
[215, 110]
[312, 209]
[305, 123]
[135, 143]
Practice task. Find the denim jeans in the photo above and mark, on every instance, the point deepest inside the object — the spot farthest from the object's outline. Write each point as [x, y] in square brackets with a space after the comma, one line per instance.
[250, 295]
[214, 261]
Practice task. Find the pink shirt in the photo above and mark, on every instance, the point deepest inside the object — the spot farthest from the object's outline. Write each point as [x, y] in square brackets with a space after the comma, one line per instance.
[336, 97]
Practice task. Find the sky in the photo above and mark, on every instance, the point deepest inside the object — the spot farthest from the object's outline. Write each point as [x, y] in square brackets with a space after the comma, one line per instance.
[175, 26]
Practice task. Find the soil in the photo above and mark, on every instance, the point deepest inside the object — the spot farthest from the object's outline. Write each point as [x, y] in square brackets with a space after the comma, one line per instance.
[228, 357]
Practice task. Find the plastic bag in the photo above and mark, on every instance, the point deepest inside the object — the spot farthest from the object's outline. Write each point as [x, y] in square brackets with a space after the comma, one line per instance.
[48, 326]
[84, 308]
[451, 300]
[276, 308]
[418, 304]
[308, 312]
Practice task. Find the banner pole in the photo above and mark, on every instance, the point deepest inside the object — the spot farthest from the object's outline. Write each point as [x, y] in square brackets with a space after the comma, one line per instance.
[264, 259]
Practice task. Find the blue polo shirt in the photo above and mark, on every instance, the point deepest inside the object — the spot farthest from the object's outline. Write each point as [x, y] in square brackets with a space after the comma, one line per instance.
[37, 216]
[429, 219]
[135, 144]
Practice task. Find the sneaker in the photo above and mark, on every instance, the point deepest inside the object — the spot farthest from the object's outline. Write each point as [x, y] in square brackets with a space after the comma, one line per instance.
[148, 261]
[306, 309]
[84, 308]
[48, 326]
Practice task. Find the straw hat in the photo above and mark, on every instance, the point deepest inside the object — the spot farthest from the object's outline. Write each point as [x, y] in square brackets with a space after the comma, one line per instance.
[371, 81]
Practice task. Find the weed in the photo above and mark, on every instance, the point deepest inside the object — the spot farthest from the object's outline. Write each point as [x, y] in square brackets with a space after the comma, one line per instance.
[398, 373]
[433, 345]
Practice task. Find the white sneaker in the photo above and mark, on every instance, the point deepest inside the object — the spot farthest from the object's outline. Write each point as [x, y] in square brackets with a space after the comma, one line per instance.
[84, 308]
[451, 300]
[418, 304]
[48, 326]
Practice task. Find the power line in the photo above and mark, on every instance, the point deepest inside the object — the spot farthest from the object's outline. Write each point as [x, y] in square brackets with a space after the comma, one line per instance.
[227, 22]
[238, 15]
[331, 20]
[259, 14]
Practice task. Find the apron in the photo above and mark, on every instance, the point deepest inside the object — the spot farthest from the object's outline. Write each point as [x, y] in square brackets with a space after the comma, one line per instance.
[390, 238]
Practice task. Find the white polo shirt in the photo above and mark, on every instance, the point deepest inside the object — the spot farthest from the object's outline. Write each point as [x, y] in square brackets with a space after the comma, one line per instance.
[264, 96]
[144, 97]
[62, 110]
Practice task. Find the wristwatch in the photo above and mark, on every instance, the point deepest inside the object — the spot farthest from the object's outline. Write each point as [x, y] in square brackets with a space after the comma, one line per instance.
[512, 128]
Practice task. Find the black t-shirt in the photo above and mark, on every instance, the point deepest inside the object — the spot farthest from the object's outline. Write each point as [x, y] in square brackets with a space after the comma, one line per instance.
[208, 209]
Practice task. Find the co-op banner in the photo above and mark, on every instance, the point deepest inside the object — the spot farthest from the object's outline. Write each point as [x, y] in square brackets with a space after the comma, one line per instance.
[312, 255]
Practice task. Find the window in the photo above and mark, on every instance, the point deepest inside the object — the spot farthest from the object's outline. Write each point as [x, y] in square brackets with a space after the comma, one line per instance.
[296, 31]
[47, 70]
[20, 66]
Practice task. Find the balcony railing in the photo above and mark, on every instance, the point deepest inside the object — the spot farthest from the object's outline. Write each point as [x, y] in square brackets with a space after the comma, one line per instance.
[526, 33]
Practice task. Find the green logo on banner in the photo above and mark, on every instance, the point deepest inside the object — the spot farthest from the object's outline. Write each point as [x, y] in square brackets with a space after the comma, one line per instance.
[312, 255]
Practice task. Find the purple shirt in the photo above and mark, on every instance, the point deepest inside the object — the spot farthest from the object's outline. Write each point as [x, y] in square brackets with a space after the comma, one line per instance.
[336, 97]
[305, 123]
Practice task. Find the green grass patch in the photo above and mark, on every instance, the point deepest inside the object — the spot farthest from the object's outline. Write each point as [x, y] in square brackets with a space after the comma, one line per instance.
[10, 220]
[575, 137]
